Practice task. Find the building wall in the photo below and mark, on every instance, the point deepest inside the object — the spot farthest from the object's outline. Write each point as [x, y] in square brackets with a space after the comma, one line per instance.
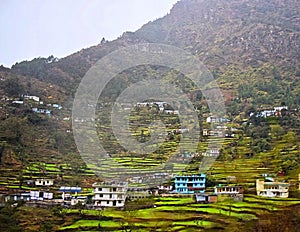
[228, 190]
[272, 189]
[109, 195]
[44, 182]
[190, 184]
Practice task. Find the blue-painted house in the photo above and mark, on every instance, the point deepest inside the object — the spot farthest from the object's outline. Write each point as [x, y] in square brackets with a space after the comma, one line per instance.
[190, 184]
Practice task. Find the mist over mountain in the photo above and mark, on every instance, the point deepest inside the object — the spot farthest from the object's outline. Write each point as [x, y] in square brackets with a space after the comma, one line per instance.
[238, 33]
[251, 47]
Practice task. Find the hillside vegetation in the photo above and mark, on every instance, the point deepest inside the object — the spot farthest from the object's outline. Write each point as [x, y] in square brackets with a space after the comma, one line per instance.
[252, 50]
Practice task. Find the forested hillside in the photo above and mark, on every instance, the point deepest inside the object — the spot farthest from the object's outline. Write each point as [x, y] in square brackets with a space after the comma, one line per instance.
[251, 47]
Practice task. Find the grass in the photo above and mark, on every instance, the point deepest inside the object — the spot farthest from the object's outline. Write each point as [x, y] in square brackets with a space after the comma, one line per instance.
[183, 214]
[91, 223]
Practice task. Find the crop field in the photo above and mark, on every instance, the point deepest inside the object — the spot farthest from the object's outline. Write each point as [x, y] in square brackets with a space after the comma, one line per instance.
[179, 214]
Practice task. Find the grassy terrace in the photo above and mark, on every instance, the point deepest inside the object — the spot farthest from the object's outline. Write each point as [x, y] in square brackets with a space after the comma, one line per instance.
[179, 214]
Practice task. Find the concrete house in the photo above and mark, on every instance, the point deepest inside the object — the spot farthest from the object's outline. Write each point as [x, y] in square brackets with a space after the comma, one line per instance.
[222, 189]
[34, 98]
[212, 152]
[40, 196]
[78, 200]
[272, 189]
[30, 196]
[44, 182]
[206, 198]
[110, 194]
[229, 192]
[18, 197]
[138, 193]
[70, 194]
[190, 184]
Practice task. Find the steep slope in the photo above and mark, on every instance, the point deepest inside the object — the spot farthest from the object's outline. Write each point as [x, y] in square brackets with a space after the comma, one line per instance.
[234, 32]
[250, 46]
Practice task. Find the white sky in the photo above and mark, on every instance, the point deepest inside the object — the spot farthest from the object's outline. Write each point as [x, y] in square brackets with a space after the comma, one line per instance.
[39, 28]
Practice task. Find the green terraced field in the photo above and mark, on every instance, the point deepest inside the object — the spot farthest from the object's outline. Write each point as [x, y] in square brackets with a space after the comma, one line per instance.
[181, 214]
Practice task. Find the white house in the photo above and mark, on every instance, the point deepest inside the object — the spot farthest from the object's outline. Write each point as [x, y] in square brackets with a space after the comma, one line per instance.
[272, 189]
[280, 108]
[18, 102]
[70, 195]
[213, 119]
[40, 196]
[171, 112]
[44, 182]
[222, 189]
[78, 200]
[138, 193]
[212, 152]
[109, 194]
[30, 196]
[34, 98]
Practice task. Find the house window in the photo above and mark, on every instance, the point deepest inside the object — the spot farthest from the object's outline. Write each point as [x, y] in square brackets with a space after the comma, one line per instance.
[99, 189]
[110, 195]
[114, 189]
[101, 195]
[107, 202]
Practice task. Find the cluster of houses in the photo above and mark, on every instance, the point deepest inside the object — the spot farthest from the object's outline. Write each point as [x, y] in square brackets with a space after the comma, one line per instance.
[111, 194]
[276, 111]
[115, 194]
[42, 194]
[40, 107]
[162, 106]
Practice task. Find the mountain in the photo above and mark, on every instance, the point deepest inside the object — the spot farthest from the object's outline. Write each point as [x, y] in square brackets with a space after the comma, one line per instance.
[248, 32]
[232, 38]
[250, 46]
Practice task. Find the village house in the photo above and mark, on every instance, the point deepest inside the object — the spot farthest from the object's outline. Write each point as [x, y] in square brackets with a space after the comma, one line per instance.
[136, 179]
[34, 98]
[70, 194]
[109, 194]
[276, 111]
[40, 196]
[206, 198]
[44, 182]
[57, 106]
[222, 189]
[229, 191]
[138, 193]
[212, 152]
[205, 132]
[18, 102]
[42, 111]
[213, 119]
[161, 105]
[272, 189]
[78, 200]
[17, 197]
[30, 196]
[176, 112]
[190, 184]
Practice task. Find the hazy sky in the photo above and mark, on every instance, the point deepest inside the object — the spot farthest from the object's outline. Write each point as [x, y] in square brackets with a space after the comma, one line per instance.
[33, 28]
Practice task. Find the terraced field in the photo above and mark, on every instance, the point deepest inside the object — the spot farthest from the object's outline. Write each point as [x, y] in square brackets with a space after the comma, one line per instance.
[180, 214]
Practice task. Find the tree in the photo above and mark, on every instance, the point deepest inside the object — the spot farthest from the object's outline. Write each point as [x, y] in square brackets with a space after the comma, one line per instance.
[8, 218]
[13, 87]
